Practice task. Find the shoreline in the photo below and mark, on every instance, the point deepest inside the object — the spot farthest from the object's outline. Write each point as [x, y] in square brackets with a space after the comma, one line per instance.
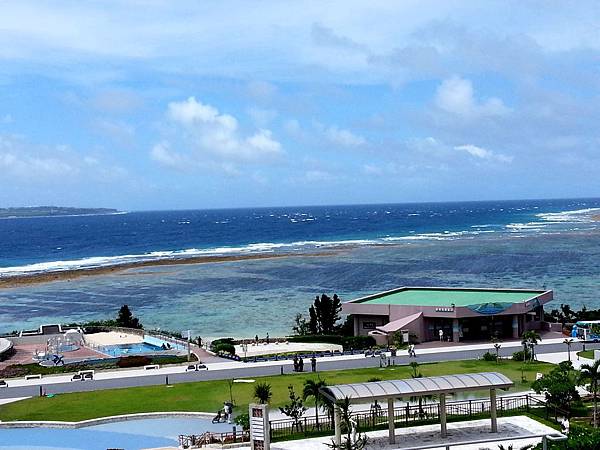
[72, 274]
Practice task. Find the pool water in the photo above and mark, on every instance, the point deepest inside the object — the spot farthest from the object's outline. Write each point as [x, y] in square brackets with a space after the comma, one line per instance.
[150, 345]
[131, 349]
[130, 435]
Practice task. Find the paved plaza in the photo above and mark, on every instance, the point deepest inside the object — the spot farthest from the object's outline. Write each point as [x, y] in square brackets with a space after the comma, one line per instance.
[415, 437]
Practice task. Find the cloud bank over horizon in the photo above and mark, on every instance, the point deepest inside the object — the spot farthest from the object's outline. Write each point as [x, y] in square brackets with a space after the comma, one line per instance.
[156, 105]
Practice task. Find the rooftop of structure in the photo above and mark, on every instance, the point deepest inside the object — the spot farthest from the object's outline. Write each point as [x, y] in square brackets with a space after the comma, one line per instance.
[417, 386]
[419, 296]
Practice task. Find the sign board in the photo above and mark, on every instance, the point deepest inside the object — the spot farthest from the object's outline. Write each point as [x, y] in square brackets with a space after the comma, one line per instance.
[260, 438]
[405, 337]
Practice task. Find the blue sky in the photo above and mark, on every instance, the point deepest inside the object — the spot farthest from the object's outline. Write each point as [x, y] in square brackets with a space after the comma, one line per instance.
[168, 105]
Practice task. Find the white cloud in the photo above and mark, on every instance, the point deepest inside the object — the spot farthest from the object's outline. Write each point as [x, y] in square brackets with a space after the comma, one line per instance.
[163, 154]
[17, 161]
[456, 96]
[346, 138]
[483, 153]
[214, 139]
[32, 164]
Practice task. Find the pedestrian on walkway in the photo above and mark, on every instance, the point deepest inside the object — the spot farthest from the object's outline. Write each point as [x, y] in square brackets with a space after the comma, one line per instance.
[313, 363]
[256, 340]
[267, 338]
[441, 333]
[300, 365]
[295, 363]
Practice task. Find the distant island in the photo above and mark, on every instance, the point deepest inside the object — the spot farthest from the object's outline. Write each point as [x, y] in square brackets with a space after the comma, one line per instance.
[45, 211]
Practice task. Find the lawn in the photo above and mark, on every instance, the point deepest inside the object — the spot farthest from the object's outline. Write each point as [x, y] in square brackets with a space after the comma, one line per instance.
[208, 396]
[589, 354]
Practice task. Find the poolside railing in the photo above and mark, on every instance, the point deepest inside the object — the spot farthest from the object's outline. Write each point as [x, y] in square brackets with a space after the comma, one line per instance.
[210, 438]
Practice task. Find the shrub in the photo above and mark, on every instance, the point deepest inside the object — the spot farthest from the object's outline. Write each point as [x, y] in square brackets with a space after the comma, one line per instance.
[347, 342]
[224, 347]
[263, 392]
[521, 355]
[358, 342]
[214, 344]
[13, 371]
[488, 356]
[133, 361]
[243, 420]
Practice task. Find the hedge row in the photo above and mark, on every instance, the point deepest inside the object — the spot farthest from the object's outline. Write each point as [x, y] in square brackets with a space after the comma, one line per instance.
[347, 342]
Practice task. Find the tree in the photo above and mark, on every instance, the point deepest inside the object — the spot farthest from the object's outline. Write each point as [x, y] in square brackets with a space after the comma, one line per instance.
[350, 442]
[262, 392]
[559, 386]
[530, 339]
[295, 409]
[568, 343]
[591, 373]
[324, 313]
[497, 347]
[126, 319]
[301, 327]
[230, 382]
[312, 388]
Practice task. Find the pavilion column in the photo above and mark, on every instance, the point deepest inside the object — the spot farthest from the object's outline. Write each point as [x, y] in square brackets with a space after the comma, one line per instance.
[443, 414]
[515, 327]
[391, 424]
[337, 421]
[455, 330]
[493, 414]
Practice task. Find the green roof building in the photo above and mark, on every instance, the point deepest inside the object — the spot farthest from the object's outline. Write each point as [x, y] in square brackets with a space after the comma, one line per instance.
[449, 314]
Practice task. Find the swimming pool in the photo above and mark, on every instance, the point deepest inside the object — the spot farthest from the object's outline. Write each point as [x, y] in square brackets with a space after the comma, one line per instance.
[150, 345]
[131, 434]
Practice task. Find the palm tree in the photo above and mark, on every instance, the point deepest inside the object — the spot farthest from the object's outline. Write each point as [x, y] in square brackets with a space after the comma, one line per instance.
[591, 373]
[415, 366]
[568, 343]
[510, 447]
[262, 392]
[530, 338]
[312, 388]
[497, 347]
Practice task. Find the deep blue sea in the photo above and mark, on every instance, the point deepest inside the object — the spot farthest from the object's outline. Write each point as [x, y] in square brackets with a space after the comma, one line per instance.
[350, 250]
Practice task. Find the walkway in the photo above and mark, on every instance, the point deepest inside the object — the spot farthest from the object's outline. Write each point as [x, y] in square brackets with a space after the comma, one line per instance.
[220, 369]
[415, 437]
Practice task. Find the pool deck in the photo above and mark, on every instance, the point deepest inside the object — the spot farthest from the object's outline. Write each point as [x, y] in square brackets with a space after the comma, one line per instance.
[24, 354]
[285, 347]
[112, 338]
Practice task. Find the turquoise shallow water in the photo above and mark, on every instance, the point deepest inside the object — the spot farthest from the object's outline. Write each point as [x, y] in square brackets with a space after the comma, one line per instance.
[260, 296]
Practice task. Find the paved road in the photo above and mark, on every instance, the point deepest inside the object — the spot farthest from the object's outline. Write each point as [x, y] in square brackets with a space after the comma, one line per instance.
[227, 370]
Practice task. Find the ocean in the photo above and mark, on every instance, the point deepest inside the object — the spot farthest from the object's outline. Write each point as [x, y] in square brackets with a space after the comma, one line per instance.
[348, 250]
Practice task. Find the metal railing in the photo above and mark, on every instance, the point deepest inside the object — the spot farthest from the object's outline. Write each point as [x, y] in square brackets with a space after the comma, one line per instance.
[414, 414]
[377, 417]
[208, 438]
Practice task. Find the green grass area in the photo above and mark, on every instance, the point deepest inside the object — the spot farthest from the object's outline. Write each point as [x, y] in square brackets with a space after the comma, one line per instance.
[447, 297]
[208, 396]
[589, 354]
